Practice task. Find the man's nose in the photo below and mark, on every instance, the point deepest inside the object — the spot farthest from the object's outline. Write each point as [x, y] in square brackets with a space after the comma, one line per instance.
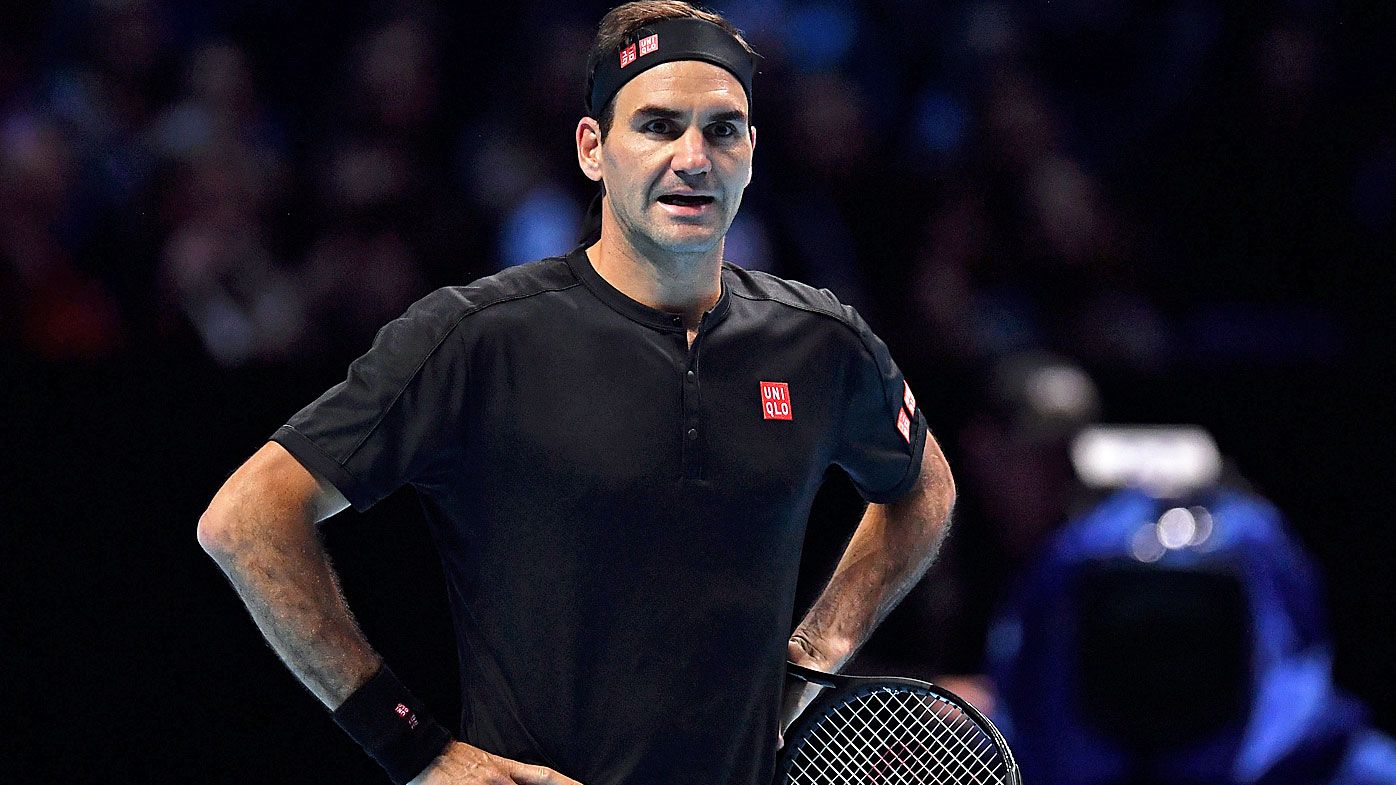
[691, 155]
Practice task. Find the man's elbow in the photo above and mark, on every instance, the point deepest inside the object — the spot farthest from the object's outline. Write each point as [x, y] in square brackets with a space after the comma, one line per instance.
[270, 495]
[227, 527]
[217, 533]
[945, 483]
[937, 484]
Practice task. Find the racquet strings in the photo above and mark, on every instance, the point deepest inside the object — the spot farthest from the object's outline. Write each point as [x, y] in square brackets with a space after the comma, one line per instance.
[897, 737]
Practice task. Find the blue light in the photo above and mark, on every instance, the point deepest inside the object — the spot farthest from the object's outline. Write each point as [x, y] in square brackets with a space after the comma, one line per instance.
[819, 36]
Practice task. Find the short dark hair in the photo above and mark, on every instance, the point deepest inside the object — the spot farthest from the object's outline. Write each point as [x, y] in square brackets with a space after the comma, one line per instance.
[623, 20]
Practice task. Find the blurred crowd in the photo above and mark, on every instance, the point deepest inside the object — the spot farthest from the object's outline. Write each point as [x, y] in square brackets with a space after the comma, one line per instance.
[1118, 181]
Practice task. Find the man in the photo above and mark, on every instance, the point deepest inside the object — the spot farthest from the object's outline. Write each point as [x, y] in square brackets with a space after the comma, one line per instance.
[616, 452]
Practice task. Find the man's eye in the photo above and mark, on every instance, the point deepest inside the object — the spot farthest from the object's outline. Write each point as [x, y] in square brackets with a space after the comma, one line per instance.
[723, 129]
[658, 127]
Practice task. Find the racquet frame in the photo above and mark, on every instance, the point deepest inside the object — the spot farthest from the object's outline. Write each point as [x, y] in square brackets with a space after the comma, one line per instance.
[843, 689]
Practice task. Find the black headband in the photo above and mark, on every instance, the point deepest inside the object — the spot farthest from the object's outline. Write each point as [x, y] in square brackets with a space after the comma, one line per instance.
[665, 41]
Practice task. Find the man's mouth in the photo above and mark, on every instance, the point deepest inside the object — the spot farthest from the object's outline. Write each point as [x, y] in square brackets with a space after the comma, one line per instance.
[684, 200]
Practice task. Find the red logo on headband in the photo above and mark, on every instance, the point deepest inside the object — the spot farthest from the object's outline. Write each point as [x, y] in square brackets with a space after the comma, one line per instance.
[627, 56]
[649, 44]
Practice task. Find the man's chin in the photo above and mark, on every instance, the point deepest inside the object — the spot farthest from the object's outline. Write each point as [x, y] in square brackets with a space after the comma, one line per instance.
[687, 239]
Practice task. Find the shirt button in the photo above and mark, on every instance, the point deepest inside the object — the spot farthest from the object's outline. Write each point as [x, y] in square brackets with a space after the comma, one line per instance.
[691, 376]
[692, 434]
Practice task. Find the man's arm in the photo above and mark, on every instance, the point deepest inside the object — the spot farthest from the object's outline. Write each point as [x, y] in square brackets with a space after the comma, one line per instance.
[891, 549]
[260, 528]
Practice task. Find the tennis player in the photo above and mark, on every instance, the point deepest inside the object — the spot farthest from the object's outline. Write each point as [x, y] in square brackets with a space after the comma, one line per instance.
[616, 451]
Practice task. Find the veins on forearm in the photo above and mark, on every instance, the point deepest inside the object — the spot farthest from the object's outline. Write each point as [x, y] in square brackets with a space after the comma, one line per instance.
[890, 551]
[856, 599]
[291, 592]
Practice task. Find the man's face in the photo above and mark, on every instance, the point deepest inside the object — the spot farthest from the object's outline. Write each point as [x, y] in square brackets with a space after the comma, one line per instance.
[678, 156]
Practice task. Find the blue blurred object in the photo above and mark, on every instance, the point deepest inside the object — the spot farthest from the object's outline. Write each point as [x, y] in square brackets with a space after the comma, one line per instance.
[941, 121]
[819, 36]
[545, 223]
[1117, 654]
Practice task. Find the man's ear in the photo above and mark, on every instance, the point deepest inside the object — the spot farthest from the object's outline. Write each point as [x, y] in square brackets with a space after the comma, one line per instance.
[752, 132]
[589, 148]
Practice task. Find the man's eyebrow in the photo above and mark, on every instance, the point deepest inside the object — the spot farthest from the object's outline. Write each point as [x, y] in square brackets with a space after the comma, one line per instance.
[650, 110]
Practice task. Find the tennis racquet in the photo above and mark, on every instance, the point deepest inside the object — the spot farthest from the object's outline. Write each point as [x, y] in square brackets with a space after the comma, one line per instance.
[891, 731]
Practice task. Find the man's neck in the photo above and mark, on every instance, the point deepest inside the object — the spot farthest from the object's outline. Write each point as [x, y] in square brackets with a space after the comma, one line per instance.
[684, 284]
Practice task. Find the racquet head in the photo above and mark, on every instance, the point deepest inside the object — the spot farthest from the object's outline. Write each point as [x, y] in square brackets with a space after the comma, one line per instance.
[891, 731]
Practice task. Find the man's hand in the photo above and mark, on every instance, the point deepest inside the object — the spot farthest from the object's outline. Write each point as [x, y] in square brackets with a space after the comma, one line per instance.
[462, 764]
[799, 694]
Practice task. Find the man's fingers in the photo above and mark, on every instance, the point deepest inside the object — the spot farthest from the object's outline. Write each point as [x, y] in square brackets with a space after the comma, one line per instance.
[524, 774]
[798, 696]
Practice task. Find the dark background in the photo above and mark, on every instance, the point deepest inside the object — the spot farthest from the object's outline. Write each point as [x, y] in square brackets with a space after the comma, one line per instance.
[207, 209]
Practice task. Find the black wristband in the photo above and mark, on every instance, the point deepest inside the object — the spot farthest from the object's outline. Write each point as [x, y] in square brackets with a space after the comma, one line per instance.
[391, 725]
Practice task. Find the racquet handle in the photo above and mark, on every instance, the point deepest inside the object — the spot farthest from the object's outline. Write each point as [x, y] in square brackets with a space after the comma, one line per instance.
[811, 675]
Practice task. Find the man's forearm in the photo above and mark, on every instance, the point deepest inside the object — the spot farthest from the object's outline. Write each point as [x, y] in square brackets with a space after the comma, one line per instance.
[283, 575]
[891, 549]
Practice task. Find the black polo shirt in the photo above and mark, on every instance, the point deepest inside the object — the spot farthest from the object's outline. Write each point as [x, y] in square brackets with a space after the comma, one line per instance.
[619, 515]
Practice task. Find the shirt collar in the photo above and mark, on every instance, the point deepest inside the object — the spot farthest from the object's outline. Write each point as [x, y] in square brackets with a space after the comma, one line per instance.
[632, 309]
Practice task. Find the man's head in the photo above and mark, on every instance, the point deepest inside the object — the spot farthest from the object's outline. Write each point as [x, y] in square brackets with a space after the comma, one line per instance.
[668, 129]
[619, 27]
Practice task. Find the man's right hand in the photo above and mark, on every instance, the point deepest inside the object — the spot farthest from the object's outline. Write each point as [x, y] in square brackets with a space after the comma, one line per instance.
[462, 764]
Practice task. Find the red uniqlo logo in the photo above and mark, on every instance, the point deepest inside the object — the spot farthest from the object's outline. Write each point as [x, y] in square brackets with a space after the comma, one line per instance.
[406, 714]
[904, 425]
[907, 397]
[649, 44]
[775, 401]
[627, 56]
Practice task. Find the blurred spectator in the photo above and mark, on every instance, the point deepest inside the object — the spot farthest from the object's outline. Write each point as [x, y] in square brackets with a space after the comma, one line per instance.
[220, 110]
[1030, 253]
[396, 78]
[1016, 470]
[827, 157]
[355, 282]
[226, 173]
[226, 282]
[379, 187]
[1015, 487]
[51, 308]
[518, 163]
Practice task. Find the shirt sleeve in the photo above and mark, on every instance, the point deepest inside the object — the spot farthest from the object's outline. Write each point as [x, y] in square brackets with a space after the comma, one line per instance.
[884, 431]
[392, 419]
